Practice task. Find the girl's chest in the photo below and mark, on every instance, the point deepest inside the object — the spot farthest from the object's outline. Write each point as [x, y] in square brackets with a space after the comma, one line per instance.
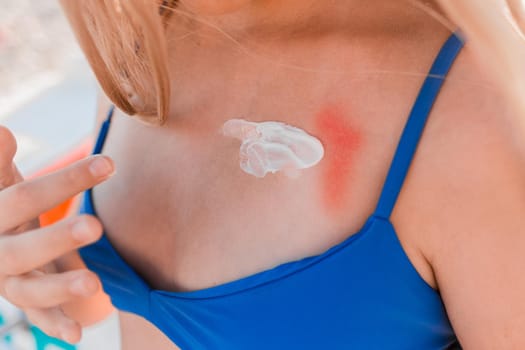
[185, 216]
[182, 212]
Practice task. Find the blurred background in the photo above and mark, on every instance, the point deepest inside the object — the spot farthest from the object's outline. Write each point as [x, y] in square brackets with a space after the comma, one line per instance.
[47, 93]
[47, 98]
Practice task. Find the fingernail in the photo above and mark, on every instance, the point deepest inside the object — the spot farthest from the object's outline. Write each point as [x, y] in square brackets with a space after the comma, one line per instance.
[81, 231]
[100, 166]
[83, 286]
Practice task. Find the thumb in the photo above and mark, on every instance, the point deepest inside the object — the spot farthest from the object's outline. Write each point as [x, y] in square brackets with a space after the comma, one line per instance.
[9, 174]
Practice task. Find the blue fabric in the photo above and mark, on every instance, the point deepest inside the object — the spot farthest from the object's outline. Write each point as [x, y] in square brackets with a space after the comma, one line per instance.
[361, 294]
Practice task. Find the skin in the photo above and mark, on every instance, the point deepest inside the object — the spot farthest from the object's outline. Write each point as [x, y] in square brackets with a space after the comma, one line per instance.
[457, 219]
[215, 7]
[497, 31]
[342, 143]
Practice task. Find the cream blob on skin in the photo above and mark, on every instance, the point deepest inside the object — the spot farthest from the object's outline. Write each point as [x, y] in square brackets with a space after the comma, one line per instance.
[271, 147]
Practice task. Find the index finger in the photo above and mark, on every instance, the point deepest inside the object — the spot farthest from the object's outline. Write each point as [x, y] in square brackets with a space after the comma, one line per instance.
[24, 201]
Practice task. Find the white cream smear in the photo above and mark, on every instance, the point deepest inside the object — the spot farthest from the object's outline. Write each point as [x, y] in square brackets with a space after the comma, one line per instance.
[270, 147]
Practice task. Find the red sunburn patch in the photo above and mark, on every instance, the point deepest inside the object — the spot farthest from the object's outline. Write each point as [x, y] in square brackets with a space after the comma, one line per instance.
[341, 142]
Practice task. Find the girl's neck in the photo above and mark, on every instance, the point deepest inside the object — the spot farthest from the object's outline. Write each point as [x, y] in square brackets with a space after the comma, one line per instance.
[253, 20]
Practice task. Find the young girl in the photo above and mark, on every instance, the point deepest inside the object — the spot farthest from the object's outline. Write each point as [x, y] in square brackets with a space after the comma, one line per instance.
[268, 192]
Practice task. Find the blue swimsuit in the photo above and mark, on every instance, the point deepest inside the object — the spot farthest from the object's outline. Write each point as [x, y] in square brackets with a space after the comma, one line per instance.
[361, 294]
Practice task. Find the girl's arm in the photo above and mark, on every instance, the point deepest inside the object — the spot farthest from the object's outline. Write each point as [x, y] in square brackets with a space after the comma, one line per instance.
[465, 200]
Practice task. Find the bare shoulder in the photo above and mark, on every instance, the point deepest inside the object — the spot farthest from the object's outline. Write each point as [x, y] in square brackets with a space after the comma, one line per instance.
[462, 211]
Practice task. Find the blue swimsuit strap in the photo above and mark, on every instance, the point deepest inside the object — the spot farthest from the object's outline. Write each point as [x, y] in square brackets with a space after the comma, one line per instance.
[104, 128]
[414, 127]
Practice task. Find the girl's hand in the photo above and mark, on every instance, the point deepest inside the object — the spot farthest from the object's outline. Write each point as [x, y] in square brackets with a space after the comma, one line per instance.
[28, 276]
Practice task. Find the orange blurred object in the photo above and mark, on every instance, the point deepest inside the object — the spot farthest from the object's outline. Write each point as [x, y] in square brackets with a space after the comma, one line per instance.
[62, 210]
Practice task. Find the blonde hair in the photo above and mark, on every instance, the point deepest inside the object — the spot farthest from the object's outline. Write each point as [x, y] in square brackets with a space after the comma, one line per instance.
[125, 43]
